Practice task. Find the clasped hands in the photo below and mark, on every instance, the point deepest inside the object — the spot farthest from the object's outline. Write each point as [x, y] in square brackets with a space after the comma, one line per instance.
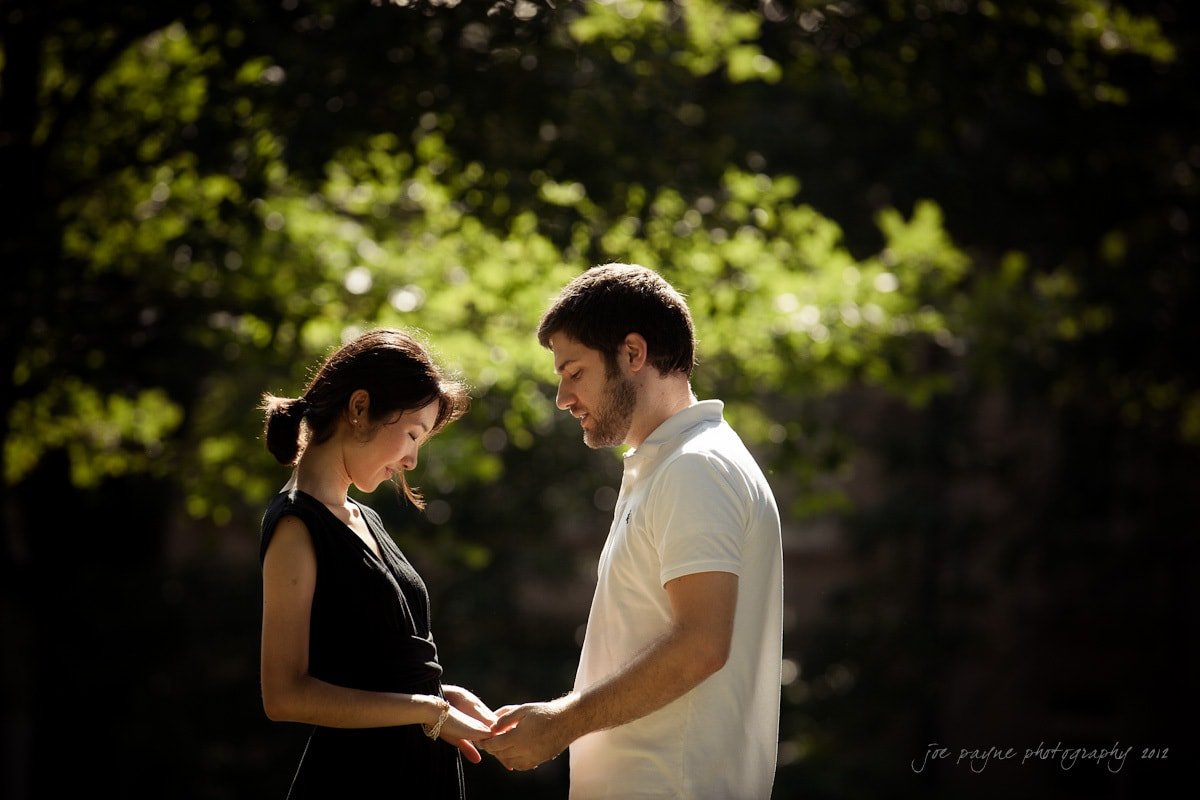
[520, 736]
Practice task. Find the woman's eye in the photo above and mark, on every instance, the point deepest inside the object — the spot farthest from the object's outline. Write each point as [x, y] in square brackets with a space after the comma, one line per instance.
[412, 436]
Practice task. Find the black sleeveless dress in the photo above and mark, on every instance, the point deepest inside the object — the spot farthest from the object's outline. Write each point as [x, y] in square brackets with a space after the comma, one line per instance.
[370, 629]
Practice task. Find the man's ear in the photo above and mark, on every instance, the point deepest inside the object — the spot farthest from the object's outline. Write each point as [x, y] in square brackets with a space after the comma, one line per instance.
[633, 352]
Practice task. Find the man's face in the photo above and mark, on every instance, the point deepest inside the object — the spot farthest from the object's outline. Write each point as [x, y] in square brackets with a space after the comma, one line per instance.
[603, 402]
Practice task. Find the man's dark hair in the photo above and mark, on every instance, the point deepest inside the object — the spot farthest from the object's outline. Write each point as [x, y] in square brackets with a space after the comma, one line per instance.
[608, 302]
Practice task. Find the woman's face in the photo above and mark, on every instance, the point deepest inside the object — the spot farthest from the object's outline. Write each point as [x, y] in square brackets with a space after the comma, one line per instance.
[391, 450]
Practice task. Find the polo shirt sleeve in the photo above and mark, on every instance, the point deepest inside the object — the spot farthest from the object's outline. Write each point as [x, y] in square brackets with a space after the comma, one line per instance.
[696, 517]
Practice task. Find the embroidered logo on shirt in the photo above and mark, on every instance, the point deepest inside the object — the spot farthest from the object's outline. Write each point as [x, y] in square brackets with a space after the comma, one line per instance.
[628, 515]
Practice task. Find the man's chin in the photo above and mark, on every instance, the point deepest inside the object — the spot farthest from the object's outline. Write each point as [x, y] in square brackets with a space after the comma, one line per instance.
[601, 442]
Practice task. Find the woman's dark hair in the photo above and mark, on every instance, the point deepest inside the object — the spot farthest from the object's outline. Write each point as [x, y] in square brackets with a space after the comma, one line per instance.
[608, 302]
[393, 368]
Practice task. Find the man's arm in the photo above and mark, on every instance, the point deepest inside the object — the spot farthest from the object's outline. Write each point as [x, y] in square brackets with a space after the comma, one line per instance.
[694, 646]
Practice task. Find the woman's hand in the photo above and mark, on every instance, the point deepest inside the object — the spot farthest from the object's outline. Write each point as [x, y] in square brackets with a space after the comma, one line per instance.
[466, 702]
[462, 730]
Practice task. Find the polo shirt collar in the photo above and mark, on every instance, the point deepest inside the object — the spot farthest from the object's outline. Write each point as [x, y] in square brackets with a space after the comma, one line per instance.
[677, 424]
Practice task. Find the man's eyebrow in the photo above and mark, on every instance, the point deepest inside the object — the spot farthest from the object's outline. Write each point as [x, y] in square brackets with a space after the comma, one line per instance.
[558, 369]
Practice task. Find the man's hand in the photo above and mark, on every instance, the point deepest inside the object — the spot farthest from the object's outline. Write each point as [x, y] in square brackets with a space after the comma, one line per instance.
[527, 735]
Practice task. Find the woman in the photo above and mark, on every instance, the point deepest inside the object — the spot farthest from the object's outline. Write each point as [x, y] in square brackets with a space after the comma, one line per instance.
[346, 641]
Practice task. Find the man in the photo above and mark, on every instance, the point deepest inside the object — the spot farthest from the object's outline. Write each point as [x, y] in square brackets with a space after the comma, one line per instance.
[677, 690]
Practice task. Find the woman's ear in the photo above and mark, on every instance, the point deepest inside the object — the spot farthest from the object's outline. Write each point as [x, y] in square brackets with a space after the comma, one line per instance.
[358, 407]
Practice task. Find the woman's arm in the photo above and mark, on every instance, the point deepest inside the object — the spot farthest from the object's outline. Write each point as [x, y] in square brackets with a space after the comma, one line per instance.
[289, 692]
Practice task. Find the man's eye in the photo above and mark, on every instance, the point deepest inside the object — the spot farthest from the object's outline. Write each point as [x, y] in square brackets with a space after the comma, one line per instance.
[575, 376]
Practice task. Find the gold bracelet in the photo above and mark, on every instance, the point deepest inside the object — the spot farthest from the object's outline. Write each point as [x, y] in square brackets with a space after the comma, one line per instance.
[432, 731]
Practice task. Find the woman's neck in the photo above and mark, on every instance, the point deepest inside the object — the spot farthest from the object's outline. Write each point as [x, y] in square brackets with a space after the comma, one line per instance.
[320, 474]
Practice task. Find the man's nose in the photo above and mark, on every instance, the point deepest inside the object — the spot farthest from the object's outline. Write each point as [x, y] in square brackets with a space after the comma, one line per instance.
[563, 399]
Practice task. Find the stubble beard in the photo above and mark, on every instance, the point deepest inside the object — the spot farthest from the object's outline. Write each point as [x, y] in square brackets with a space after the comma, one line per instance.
[611, 422]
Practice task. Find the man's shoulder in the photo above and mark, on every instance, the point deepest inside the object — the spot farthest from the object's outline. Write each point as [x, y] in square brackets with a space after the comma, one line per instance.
[708, 458]
[716, 443]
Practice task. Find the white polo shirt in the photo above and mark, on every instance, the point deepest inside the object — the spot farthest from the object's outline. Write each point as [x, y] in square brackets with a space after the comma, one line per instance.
[692, 500]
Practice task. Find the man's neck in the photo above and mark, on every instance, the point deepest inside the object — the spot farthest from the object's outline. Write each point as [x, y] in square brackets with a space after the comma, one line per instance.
[661, 399]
